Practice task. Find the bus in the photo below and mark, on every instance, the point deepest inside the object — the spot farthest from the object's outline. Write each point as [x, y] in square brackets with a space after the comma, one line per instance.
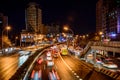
[64, 51]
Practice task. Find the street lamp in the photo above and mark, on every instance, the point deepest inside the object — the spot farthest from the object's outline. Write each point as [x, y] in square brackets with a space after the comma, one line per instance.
[101, 33]
[66, 28]
[6, 28]
[16, 38]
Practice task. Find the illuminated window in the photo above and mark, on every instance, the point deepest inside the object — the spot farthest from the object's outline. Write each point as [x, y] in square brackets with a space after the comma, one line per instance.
[28, 36]
[0, 21]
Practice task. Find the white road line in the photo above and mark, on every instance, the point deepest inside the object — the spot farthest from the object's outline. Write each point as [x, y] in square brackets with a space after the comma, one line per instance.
[55, 67]
[70, 68]
[72, 71]
[75, 74]
[66, 63]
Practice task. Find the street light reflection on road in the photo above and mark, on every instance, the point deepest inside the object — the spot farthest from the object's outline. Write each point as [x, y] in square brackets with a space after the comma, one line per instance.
[8, 66]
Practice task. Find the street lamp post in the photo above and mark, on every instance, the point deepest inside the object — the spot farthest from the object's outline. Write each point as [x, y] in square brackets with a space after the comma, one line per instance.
[101, 33]
[16, 38]
[69, 29]
[66, 28]
[6, 28]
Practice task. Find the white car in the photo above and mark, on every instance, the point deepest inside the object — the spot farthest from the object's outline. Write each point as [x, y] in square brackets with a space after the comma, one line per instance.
[50, 63]
[110, 65]
[48, 53]
[49, 58]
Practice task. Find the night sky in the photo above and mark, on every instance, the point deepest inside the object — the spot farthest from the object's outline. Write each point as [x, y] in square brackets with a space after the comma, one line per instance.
[78, 14]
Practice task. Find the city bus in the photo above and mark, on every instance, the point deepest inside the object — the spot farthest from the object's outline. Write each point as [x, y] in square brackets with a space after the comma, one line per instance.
[64, 51]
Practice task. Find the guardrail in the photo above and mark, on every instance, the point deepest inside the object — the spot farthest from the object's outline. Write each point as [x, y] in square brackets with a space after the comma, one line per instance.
[111, 74]
[90, 69]
[111, 46]
[112, 49]
[108, 44]
[86, 48]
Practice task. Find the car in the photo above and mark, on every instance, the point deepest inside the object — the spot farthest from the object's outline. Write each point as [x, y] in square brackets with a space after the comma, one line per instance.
[48, 53]
[36, 75]
[40, 60]
[110, 65]
[50, 63]
[56, 55]
[53, 75]
[49, 58]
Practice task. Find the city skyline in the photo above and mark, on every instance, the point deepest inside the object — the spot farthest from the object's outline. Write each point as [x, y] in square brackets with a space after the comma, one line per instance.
[80, 15]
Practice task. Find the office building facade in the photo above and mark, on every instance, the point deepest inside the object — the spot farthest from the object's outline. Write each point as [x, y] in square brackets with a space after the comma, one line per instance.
[3, 21]
[33, 17]
[108, 17]
[3, 24]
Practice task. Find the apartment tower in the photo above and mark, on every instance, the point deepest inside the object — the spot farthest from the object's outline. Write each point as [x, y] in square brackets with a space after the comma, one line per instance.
[33, 17]
[108, 17]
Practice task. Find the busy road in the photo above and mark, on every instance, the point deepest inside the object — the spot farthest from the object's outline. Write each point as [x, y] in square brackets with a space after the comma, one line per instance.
[54, 64]
[10, 63]
[63, 67]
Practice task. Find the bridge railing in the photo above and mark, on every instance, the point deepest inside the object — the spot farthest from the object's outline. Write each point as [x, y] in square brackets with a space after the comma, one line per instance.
[86, 48]
[112, 44]
[108, 44]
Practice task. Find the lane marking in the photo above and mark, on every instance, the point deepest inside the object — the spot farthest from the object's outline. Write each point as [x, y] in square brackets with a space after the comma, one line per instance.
[70, 68]
[66, 63]
[72, 71]
[55, 66]
[75, 74]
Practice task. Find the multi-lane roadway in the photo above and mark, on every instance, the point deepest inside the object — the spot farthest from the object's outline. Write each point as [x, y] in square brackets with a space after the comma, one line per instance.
[61, 70]
[65, 68]
[10, 63]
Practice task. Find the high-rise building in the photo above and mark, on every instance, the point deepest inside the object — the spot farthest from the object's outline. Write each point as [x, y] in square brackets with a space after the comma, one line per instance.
[33, 16]
[108, 17]
[3, 22]
[34, 26]
[99, 14]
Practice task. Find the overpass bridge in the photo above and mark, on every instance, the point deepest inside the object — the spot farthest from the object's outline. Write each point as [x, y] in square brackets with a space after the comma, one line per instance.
[112, 46]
